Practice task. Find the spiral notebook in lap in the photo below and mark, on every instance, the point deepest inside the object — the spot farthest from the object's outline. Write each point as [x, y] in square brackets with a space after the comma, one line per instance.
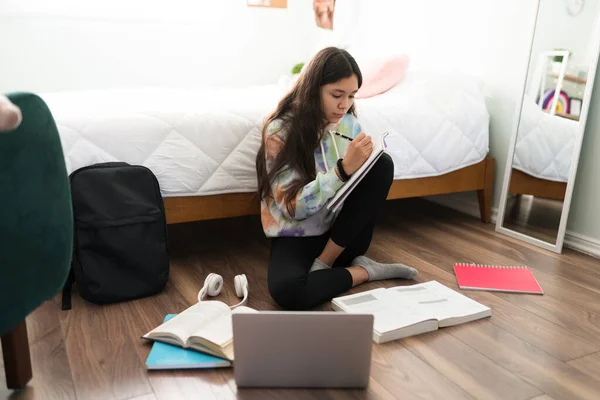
[499, 278]
[379, 146]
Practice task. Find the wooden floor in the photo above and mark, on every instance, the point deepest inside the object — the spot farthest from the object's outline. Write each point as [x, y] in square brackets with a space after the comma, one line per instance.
[533, 347]
[534, 216]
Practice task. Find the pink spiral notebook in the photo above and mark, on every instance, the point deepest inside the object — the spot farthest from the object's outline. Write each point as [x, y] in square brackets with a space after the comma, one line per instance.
[500, 278]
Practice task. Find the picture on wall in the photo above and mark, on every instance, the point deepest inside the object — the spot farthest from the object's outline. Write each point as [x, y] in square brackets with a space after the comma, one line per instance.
[267, 3]
[324, 10]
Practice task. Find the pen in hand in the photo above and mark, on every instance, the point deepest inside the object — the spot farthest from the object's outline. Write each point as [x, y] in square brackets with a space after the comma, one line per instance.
[341, 135]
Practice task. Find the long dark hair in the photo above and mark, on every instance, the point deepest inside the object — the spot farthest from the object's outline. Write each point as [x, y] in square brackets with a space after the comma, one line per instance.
[302, 117]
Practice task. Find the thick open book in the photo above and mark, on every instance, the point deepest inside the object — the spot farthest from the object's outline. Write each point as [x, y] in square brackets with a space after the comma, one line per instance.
[379, 146]
[404, 311]
[168, 356]
[206, 327]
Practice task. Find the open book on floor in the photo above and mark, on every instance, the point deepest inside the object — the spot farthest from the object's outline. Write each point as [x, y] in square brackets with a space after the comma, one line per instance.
[404, 311]
[379, 147]
[206, 327]
[168, 356]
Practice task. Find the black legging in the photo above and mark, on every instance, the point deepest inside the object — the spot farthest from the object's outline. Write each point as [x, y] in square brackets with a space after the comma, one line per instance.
[290, 284]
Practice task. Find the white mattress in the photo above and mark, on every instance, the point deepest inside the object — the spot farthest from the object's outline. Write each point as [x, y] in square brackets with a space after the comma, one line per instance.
[545, 143]
[202, 142]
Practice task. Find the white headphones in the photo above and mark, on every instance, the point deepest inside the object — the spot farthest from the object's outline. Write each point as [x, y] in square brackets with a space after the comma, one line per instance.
[214, 282]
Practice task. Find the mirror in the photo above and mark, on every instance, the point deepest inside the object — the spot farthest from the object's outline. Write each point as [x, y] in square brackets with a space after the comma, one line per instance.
[550, 121]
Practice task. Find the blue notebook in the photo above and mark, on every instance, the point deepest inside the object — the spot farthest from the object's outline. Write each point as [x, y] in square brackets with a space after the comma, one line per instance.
[167, 356]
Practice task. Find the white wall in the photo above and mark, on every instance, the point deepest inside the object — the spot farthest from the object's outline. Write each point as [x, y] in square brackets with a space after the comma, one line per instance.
[557, 29]
[421, 29]
[584, 218]
[72, 44]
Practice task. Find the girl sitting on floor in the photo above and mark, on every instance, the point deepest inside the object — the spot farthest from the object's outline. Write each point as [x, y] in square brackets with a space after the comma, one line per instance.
[317, 254]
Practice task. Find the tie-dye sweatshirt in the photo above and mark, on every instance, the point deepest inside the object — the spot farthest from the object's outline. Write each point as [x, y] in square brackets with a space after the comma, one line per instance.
[311, 216]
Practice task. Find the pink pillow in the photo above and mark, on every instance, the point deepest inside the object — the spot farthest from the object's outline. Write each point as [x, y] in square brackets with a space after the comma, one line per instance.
[381, 75]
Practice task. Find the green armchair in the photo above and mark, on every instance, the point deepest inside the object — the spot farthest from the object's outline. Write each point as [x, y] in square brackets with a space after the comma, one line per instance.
[36, 227]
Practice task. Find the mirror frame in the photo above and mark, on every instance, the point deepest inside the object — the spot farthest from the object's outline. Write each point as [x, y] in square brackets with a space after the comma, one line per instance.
[587, 94]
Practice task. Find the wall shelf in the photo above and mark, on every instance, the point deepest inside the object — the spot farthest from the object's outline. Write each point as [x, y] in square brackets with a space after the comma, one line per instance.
[570, 78]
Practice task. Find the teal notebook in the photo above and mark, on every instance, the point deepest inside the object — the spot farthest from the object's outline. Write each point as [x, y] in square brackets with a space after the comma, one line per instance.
[167, 356]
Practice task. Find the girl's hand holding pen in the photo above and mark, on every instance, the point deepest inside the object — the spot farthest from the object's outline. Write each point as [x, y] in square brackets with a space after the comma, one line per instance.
[359, 150]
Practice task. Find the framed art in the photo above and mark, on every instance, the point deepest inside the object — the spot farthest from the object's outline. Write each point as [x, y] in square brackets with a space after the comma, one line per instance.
[324, 10]
[267, 3]
[576, 106]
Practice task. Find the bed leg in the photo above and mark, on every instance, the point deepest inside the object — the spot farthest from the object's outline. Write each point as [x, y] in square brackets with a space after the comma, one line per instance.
[485, 195]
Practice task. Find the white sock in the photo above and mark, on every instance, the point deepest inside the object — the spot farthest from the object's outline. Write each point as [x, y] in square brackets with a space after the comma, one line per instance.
[379, 271]
[317, 265]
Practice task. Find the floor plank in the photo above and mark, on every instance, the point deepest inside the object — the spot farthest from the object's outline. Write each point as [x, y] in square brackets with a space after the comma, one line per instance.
[404, 374]
[582, 269]
[533, 216]
[508, 350]
[544, 263]
[102, 357]
[589, 365]
[557, 286]
[52, 377]
[533, 347]
[553, 377]
[521, 322]
[476, 374]
[581, 322]
[145, 314]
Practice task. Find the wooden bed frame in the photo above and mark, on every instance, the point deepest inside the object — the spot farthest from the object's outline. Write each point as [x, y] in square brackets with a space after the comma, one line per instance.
[478, 177]
[522, 183]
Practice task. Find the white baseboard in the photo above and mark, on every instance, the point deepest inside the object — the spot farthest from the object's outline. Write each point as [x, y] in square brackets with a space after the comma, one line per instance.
[573, 240]
[582, 243]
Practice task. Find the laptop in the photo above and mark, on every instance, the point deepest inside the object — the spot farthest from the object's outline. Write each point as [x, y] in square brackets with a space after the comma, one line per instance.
[305, 349]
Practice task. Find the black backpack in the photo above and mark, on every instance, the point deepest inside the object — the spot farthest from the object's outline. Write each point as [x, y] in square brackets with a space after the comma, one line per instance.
[120, 249]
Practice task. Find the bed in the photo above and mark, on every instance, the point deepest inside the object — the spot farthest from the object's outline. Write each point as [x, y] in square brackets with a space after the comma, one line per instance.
[543, 152]
[201, 143]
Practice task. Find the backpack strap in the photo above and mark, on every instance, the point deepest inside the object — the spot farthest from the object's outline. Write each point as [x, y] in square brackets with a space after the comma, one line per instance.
[66, 294]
